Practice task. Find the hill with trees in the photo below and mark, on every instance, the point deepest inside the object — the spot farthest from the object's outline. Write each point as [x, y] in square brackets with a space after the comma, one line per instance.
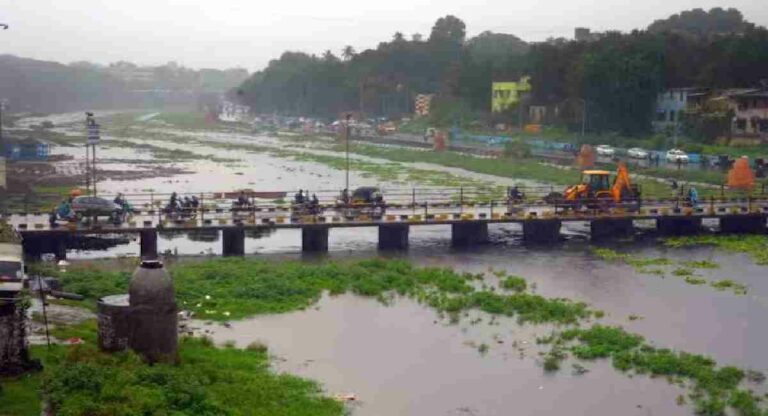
[617, 74]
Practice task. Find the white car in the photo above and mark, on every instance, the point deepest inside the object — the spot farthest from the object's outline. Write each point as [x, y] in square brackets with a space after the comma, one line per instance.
[676, 155]
[637, 153]
[605, 150]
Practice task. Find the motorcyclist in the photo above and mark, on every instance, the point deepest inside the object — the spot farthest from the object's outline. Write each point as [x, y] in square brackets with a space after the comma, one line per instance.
[299, 198]
[242, 199]
[345, 196]
[195, 202]
[173, 203]
[64, 210]
[314, 204]
[515, 195]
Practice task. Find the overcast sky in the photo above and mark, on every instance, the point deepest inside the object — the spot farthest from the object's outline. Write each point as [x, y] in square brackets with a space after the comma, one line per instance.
[248, 33]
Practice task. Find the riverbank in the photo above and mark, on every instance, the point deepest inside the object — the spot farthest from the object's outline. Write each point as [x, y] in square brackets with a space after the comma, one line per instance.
[229, 290]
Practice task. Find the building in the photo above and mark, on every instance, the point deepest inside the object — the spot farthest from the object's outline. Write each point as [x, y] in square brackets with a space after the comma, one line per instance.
[750, 113]
[672, 104]
[29, 149]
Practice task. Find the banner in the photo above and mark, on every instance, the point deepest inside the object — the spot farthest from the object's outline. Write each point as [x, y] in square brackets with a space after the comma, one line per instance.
[507, 94]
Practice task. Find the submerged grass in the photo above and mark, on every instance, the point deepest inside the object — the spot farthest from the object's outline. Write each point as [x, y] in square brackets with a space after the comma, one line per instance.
[684, 269]
[713, 388]
[80, 380]
[232, 288]
[754, 245]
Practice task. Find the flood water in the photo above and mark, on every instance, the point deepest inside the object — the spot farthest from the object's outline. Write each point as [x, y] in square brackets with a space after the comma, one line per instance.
[405, 359]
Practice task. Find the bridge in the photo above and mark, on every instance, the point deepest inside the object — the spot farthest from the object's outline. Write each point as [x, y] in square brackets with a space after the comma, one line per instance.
[469, 212]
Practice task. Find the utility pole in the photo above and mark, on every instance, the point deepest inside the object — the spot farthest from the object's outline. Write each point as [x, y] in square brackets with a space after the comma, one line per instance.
[347, 130]
[92, 129]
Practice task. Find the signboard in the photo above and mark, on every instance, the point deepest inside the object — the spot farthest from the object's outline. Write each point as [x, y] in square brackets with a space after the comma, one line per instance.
[507, 94]
[93, 134]
[423, 102]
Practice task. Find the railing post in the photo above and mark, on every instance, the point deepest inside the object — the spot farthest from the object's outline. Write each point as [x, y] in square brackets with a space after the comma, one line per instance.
[26, 203]
[413, 199]
[202, 208]
[151, 200]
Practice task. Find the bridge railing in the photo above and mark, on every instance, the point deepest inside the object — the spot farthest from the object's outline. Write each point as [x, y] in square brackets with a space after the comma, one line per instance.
[414, 198]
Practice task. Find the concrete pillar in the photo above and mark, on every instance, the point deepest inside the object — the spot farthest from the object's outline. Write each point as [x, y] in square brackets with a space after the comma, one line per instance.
[14, 356]
[743, 224]
[393, 236]
[60, 247]
[31, 247]
[465, 234]
[678, 225]
[606, 228]
[113, 314]
[148, 243]
[233, 241]
[153, 319]
[541, 231]
[314, 238]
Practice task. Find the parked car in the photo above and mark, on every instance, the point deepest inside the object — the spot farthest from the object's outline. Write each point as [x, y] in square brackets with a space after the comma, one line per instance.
[91, 206]
[605, 150]
[638, 153]
[676, 155]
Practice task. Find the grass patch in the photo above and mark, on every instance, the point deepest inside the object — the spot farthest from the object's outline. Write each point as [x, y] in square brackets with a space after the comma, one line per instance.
[754, 245]
[233, 288]
[80, 380]
[713, 388]
[514, 283]
[728, 284]
[701, 264]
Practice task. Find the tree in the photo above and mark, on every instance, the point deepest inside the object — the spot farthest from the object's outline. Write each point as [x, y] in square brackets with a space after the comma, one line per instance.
[701, 23]
[328, 56]
[398, 37]
[449, 29]
[348, 52]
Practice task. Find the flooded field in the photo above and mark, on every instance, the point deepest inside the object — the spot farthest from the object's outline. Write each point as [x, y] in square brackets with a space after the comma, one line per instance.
[404, 358]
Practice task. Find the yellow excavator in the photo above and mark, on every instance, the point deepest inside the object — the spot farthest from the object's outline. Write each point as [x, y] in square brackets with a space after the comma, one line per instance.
[596, 190]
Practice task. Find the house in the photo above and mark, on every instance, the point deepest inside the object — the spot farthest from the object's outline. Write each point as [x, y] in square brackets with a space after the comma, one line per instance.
[26, 149]
[750, 113]
[672, 104]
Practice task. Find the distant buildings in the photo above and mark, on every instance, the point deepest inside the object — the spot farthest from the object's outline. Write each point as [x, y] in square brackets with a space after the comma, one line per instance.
[744, 111]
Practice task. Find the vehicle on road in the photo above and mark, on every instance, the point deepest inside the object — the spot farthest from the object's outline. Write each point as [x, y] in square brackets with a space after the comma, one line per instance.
[677, 155]
[637, 153]
[367, 201]
[597, 191]
[605, 150]
[94, 207]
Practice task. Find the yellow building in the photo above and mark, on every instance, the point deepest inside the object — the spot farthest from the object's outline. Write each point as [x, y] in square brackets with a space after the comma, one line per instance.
[507, 94]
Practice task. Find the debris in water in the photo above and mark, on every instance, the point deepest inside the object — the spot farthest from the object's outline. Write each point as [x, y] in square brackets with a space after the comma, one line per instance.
[349, 397]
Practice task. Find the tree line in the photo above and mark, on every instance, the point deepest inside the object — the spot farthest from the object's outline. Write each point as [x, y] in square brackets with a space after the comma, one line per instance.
[617, 75]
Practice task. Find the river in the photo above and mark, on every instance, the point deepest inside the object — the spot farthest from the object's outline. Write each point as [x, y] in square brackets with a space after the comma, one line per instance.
[405, 359]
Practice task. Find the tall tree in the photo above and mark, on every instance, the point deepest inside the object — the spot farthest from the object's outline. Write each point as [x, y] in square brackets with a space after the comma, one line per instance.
[348, 52]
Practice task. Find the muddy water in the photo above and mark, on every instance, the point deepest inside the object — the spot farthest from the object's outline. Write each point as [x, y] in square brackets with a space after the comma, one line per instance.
[404, 359]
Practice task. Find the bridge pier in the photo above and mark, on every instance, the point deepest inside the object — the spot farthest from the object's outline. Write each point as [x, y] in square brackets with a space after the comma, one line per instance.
[314, 238]
[393, 236]
[60, 247]
[606, 228]
[233, 241]
[678, 225]
[743, 224]
[465, 234]
[541, 231]
[148, 244]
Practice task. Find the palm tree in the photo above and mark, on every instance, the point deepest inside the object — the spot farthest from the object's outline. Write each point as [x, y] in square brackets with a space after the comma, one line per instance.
[348, 52]
[398, 37]
[328, 56]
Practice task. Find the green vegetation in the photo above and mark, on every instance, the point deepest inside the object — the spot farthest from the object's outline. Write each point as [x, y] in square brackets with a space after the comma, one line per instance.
[713, 388]
[231, 288]
[754, 245]
[515, 283]
[6, 233]
[80, 380]
[684, 269]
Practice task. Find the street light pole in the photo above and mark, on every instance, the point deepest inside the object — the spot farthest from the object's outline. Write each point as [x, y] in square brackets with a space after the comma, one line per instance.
[346, 182]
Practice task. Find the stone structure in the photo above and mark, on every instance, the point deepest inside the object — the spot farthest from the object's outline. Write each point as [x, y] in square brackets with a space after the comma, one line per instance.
[153, 313]
[145, 320]
[465, 234]
[14, 356]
